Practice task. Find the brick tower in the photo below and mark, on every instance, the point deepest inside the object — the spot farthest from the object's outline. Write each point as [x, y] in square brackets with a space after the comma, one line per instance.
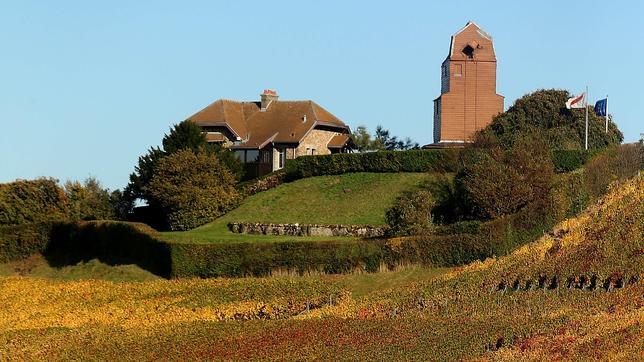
[468, 99]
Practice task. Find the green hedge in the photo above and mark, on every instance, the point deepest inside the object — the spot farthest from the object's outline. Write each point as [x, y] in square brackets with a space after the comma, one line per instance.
[21, 241]
[436, 160]
[440, 160]
[112, 242]
[260, 258]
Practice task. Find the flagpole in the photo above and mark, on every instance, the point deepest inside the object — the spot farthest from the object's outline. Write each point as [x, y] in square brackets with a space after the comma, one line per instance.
[586, 106]
[607, 113]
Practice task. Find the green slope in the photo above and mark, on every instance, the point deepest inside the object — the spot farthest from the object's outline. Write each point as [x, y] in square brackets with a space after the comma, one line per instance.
[353, 199]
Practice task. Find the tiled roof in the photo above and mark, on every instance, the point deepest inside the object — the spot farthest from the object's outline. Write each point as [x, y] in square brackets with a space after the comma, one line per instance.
[281, 122]
[339, 141]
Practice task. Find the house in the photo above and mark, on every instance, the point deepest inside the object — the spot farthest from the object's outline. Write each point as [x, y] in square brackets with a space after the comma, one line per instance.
[468, 99]
[265, 134]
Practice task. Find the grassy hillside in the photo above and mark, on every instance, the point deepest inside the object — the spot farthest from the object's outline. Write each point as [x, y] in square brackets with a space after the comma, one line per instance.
[495, 309]
[350, 199]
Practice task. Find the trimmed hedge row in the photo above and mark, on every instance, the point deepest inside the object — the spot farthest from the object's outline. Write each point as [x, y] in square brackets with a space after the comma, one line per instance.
[112, 242]
[438, 160]
[20, 241]
[435, 160]
[262, 258]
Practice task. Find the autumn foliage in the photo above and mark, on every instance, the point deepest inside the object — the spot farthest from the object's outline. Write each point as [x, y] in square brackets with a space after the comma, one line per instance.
[27, 201]
[502, 182]
[193, 188]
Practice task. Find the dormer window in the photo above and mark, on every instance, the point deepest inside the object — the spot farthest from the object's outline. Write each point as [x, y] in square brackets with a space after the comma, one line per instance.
[468, 51]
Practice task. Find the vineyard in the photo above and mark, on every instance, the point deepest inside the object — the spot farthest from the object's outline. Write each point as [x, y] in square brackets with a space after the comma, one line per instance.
[576, 293]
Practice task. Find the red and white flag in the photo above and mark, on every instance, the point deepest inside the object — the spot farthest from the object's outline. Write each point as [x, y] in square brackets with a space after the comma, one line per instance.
[577, 101]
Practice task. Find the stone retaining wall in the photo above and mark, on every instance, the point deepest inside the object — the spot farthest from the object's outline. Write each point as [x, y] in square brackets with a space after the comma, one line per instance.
[306, 229]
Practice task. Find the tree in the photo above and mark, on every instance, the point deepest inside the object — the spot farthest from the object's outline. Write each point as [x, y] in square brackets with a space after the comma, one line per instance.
[362, 139]
[122, 203]
[28, 201]
[502, 182]
[89, 200]
[143, 172]
[381, 140]
[544, 110]
[192, 188]
[185, 135]
[410, 214]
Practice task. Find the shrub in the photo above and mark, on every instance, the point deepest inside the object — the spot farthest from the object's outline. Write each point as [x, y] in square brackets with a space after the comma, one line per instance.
[444, 160]
[192, 188]
[21, 241]
[89, 200]
[504, 181]
[263, 183]
[411, 213]
[39, 200]
[450, 204]
[568, 160]
[186, 135]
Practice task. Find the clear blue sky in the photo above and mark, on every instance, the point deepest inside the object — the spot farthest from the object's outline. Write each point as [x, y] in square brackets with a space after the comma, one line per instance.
[85, 88]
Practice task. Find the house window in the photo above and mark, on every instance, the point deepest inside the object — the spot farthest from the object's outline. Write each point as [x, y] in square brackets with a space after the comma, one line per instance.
[252, 156]
[247, 156]
[313, 151]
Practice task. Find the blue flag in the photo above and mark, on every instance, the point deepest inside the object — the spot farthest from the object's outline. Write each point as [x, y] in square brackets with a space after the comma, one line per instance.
[600, 107]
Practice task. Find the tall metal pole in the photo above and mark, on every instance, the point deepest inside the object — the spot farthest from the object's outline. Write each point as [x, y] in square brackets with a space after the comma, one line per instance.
[607, 113]
[586, 106]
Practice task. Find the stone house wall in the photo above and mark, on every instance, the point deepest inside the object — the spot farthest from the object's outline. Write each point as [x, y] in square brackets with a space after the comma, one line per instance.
[318, 140]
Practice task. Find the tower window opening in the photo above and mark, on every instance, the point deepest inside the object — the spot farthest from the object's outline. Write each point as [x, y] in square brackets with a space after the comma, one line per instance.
[468, 51]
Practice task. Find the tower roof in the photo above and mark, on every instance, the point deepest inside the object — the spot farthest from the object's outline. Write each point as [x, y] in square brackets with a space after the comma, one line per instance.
[471, 43]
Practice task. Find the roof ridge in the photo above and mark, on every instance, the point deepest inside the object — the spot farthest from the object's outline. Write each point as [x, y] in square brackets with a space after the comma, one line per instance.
[315, 114]
[204, 108]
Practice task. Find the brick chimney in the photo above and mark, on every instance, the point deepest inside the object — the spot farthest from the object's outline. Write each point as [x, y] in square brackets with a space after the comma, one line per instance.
[268, 96]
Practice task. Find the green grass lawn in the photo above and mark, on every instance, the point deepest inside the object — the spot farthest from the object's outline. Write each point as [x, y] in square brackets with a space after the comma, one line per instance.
[349, 199]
